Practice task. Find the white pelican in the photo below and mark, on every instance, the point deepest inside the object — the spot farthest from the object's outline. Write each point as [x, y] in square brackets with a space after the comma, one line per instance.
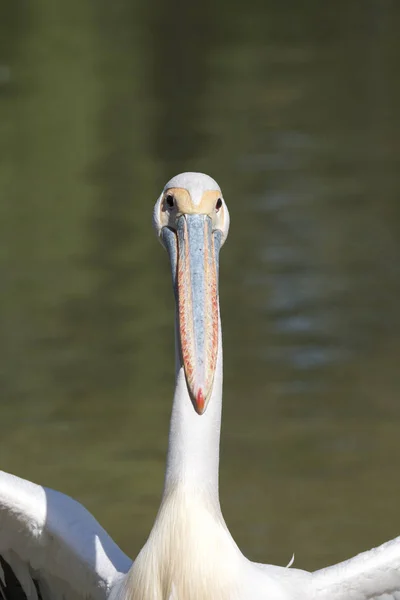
[52, 548]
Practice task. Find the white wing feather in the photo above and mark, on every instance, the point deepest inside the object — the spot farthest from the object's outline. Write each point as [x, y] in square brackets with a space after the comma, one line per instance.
[372, 575]
[49, 537]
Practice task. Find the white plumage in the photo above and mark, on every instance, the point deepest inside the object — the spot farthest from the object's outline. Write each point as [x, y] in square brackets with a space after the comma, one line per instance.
[51, 548]
[50, 537]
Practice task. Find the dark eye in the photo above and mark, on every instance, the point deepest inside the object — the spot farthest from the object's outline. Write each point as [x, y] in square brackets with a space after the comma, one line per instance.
[169, 201]
[219, 204]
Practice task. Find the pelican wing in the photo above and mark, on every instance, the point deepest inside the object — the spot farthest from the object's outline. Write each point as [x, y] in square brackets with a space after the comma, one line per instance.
[51, 547]
[372, 575]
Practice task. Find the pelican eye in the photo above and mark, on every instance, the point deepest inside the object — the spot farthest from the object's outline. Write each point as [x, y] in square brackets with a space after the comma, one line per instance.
[218, 204]
[170, 201]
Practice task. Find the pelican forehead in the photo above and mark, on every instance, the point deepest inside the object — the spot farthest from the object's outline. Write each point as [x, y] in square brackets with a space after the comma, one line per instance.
[185, 205]
[196, 184]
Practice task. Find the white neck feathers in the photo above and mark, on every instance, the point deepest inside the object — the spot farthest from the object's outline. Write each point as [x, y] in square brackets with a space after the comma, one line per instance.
[190, 554]
[193, 448]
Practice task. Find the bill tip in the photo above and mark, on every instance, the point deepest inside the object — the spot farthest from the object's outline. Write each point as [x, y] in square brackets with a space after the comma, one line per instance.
[200, 401]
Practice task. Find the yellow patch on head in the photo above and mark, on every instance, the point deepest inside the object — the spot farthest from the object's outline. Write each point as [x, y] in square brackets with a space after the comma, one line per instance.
[185, 205]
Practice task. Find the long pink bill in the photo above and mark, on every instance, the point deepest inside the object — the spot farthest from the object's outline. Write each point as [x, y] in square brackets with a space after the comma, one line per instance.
[197, 299]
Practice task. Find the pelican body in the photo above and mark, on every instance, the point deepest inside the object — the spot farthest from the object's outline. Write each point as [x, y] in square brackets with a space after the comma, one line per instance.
[51, 547]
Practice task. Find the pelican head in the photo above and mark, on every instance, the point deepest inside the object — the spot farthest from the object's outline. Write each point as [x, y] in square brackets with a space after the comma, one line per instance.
[192, 221]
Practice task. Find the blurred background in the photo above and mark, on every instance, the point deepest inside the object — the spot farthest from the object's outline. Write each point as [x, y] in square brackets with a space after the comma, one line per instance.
[294, 108]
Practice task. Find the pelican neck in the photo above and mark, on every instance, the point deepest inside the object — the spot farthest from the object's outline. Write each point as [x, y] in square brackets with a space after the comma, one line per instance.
[193, 449]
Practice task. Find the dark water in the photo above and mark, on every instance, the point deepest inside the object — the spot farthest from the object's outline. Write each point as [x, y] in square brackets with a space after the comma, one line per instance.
[293, 108]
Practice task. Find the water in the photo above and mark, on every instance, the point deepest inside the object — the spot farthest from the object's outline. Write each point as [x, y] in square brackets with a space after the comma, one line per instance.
[293, 108]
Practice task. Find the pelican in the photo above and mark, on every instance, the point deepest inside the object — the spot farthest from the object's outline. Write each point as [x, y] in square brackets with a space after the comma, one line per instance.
[52, 548]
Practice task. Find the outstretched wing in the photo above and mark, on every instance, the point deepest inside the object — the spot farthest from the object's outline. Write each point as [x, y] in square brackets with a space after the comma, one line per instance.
[51, 547]
[372, 575]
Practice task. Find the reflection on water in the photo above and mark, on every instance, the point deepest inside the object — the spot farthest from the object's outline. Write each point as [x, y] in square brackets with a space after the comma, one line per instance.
[295, 113]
